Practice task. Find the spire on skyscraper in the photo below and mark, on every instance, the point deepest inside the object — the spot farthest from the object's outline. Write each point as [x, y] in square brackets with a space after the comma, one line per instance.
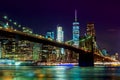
[75, 15]
[76, 31]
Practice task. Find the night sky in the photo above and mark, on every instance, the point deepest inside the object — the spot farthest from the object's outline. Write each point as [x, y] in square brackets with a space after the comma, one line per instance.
[45, 15]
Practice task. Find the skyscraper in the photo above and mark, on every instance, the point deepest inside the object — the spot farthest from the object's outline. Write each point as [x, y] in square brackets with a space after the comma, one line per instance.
[50, 34]
[60, 37]
[76, 33]
[60, 34]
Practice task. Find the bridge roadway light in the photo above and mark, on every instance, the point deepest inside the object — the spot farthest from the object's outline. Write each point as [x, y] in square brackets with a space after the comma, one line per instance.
[5, 17]
[40, 36]
[19, 25]
[15, 23]
[10, 20]
[23, 27]
[15, 30]
[1, 27]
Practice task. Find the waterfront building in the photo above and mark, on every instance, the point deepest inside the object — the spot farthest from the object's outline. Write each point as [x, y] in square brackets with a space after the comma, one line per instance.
[36, 51]
[76, 33]
[48, 50]
[60, 38]
[50, 35]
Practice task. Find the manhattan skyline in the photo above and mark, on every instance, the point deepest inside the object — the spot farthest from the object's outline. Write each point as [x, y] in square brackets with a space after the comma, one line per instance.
[42, 16]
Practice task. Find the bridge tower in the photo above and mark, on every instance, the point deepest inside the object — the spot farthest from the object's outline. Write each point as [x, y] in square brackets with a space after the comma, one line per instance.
[87, 58]
[91, 32]
[90, 29]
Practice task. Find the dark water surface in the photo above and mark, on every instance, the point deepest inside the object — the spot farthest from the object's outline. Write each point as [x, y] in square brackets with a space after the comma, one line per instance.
[59, 73]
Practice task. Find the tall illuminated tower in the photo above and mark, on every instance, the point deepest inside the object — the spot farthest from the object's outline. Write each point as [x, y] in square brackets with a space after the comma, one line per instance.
[60, 36]
[76, 33]
[60, 33]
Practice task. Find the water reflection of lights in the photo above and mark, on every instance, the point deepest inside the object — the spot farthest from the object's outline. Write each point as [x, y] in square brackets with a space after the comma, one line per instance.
[59, 68]
[60, 71]
[6, 75]
[29, 74]
[108, 63]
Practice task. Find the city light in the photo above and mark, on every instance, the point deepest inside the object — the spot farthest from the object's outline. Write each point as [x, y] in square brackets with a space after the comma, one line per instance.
[76, 33]
[45, 50]
[5, 17]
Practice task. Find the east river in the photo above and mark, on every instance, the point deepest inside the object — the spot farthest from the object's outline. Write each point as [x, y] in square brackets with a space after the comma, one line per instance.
[58, 73]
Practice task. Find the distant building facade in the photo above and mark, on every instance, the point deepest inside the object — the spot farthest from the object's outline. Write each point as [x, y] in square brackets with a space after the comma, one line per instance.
[60, 37]
[60, 34]
[50, 35]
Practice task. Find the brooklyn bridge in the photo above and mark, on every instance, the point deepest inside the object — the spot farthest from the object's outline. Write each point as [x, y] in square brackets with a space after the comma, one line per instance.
[19, 44]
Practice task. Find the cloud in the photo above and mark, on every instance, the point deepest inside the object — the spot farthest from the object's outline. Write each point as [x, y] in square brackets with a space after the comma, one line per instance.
[112, 30]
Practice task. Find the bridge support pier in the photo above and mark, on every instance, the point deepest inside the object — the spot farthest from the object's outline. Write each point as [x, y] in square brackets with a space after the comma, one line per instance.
[86, 59]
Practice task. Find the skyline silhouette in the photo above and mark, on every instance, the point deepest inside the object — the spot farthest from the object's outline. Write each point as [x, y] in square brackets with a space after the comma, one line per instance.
[42, 16]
